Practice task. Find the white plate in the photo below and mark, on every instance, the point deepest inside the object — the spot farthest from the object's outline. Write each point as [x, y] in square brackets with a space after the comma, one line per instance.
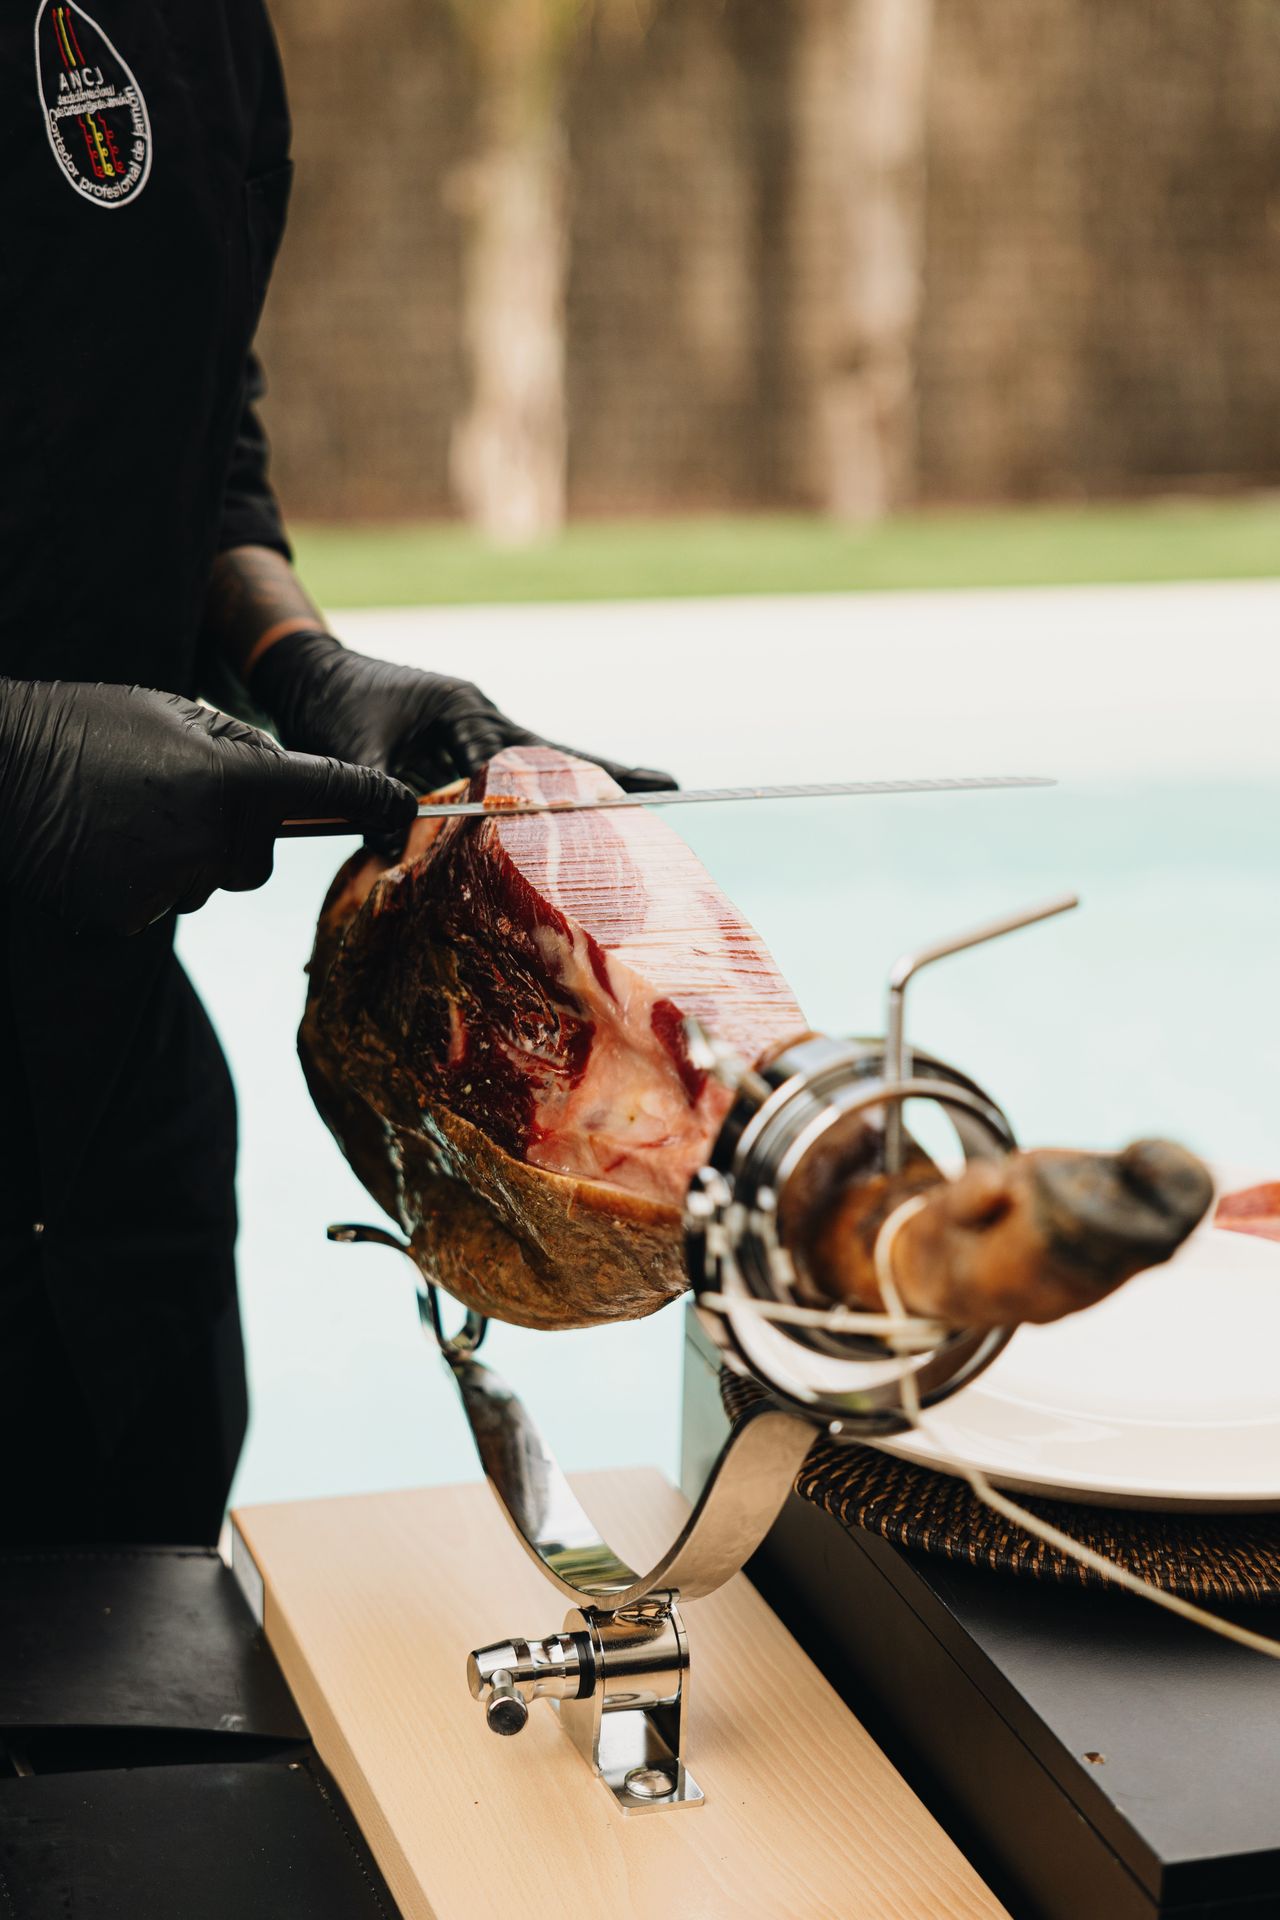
[1165, 1395]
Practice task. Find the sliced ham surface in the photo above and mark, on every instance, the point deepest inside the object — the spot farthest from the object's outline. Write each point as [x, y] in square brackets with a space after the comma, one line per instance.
[495, 1034]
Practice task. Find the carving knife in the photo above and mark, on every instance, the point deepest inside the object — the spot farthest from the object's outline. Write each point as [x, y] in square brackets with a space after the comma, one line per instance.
[676, 797]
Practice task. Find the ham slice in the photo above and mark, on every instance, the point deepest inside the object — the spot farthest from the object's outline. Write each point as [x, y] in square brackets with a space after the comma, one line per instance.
[495, 1035]
[1253, 1210]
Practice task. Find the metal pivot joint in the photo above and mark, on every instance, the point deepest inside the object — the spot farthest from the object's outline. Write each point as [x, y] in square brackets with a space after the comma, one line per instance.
[617, 1672]
[620, 1681]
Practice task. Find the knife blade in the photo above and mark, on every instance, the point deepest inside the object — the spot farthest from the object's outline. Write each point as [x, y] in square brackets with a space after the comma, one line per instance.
[679, 797]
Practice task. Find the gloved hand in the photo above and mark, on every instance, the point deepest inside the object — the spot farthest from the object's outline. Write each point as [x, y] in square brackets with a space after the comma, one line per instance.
[119, 805]
[425, 728]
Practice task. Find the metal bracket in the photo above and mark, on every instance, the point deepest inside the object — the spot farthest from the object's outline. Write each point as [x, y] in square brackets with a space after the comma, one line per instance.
[620, 1668]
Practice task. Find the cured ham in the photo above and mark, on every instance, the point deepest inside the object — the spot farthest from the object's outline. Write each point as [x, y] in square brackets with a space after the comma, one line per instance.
[496, 1036]
[495, 1033]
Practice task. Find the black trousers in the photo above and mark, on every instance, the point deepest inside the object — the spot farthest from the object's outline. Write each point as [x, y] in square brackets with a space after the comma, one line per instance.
[122, 1386]
[162, 1479]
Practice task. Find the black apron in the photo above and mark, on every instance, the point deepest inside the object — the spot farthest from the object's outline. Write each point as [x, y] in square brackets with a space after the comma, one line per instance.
[146, 180]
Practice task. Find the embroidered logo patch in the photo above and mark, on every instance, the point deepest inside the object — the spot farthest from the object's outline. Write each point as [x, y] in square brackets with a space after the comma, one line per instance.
[95, 115]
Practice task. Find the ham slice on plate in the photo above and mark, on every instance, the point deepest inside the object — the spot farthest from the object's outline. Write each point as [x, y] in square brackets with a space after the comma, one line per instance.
[495, 1034]
[1253, 1210]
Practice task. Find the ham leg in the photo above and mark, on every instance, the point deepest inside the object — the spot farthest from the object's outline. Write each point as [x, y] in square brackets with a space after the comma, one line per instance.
[495, 1034]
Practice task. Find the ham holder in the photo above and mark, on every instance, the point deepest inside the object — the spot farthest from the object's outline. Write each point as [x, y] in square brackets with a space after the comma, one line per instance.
[572, 1074]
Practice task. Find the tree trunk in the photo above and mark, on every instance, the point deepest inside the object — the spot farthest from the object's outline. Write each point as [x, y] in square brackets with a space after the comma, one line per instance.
[508, 449]
[862, 71]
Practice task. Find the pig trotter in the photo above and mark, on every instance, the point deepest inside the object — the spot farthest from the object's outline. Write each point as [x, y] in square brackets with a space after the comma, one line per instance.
[1030, 1237]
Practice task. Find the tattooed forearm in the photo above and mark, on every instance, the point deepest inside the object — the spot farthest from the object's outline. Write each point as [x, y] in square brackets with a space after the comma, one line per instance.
[254, 599]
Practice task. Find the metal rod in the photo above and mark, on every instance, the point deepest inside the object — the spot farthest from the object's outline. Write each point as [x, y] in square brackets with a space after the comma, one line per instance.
[457, 1346]
[905, 969]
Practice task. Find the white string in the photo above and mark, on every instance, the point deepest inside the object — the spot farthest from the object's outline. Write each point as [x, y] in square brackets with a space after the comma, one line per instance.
[1009, 1509]
[882, 1253]
[916, 1335]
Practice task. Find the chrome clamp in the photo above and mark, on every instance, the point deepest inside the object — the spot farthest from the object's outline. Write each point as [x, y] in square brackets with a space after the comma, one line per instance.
[620, 1681]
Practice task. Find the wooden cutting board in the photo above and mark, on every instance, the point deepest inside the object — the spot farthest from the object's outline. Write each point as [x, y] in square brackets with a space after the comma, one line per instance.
[371, 1605]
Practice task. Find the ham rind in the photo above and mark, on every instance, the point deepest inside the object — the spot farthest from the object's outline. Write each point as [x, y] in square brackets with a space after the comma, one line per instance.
[495, 1033]
[1254, 1210]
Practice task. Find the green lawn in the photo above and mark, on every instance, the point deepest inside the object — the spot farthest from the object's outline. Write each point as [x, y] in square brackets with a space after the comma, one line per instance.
[643, 559]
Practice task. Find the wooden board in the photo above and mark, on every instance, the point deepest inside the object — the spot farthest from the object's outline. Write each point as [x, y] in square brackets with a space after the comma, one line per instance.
[371, 1606]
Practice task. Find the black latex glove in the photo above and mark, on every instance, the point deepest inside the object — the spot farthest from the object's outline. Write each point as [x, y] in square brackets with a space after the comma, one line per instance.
[119, 805]
[425, 728]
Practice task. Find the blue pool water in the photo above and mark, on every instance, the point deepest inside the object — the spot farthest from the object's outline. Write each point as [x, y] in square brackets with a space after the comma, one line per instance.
[1152, 1009]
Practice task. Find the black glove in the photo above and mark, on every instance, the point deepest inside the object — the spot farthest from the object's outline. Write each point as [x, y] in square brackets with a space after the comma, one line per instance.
[424, 728]
[119, 805]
